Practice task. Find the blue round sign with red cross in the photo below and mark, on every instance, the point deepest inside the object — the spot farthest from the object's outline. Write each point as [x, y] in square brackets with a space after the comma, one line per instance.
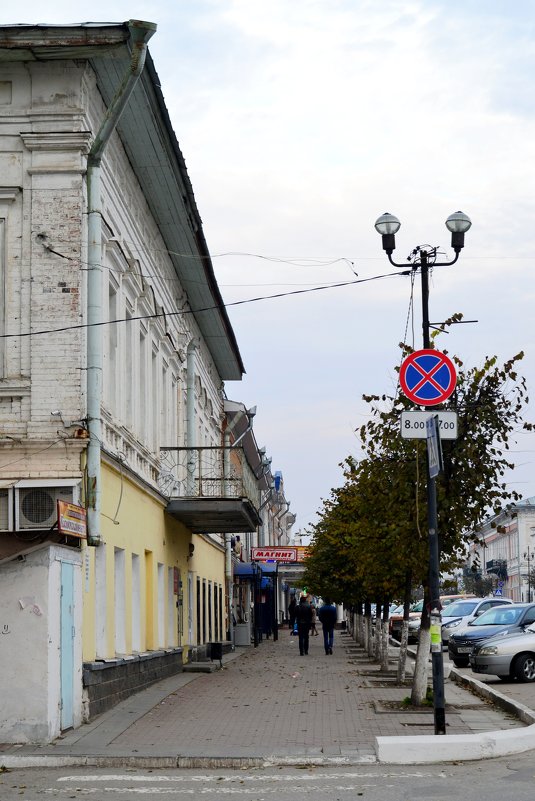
[427, 377]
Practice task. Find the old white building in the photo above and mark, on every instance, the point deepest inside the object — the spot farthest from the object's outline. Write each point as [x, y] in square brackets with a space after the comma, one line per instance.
[115, 347]
[507, 550]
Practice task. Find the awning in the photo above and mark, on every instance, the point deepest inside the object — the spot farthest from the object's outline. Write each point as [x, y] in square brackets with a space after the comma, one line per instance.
[251, 568]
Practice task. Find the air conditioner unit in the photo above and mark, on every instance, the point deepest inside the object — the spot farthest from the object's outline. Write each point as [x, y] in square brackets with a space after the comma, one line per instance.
[36, 507]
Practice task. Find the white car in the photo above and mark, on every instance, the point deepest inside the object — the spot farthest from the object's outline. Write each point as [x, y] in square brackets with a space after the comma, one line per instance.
[461, 612]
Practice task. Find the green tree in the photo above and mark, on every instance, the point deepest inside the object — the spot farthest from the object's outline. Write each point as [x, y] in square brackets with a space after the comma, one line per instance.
[376, 524]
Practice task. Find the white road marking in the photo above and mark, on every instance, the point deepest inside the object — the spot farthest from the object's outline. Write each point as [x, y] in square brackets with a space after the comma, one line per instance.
[243, 777]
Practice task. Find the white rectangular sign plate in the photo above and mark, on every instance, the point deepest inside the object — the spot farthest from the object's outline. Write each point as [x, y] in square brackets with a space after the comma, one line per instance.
[413, 424]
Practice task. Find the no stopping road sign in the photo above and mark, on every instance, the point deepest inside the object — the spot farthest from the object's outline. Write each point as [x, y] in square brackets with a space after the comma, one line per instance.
[427, 377]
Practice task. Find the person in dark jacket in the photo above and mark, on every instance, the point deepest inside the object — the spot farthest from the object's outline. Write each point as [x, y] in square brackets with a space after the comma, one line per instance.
[292, 606]
[327, 615]
[303, 617]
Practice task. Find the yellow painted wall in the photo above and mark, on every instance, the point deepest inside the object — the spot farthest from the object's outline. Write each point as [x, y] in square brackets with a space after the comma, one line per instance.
[135, 521]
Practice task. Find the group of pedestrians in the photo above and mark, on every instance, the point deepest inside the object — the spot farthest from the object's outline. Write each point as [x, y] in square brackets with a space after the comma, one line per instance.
[303, 614]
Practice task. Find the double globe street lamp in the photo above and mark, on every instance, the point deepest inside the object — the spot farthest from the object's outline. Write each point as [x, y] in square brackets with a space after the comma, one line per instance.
[388, 226]
[424, 257]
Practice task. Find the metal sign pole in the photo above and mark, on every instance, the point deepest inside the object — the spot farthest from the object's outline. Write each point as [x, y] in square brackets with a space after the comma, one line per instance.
[434, 557]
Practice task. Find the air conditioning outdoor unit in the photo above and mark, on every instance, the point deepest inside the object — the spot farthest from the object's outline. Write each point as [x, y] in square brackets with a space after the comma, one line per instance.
[36, 507]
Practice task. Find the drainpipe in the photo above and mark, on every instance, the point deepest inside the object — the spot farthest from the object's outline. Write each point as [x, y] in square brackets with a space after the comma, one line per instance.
[140, 33]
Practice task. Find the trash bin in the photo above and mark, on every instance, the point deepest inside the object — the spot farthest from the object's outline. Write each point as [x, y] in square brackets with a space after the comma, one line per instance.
[216, 652]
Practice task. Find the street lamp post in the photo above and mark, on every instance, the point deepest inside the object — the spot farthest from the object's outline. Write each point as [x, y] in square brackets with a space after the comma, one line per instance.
[424, 257]
[527, 556]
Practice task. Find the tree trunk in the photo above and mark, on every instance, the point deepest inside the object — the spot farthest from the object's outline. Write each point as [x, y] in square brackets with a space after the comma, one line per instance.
[384, 636]
[421, 668]
[402, 664]
[369, 636]
[377, 639]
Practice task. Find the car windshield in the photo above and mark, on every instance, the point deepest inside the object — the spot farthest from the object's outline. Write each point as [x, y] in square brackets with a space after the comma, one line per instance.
[499, 616]
[460, 608]
[418, 606]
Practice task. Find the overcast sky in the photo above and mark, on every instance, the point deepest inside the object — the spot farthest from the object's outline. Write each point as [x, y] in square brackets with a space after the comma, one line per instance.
[301, 121]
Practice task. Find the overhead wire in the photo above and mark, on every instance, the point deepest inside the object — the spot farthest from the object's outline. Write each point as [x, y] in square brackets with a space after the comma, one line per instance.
[182, 312]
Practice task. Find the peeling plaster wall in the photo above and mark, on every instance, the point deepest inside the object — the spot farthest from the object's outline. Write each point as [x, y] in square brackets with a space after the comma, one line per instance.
[30, 598]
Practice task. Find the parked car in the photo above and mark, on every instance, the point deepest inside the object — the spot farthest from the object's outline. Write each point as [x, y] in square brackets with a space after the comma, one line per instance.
[509, 657]
[500, 620]
[396, 620]
[462, 612]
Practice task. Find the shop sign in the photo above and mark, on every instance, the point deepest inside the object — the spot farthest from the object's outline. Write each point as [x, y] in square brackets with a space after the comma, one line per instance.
[72, 520]
[274, 554]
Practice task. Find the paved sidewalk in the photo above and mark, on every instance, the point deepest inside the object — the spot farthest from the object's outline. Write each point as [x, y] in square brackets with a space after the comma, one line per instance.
[267, 704]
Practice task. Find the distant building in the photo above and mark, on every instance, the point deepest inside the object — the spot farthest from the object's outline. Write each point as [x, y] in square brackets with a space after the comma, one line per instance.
[507, 550]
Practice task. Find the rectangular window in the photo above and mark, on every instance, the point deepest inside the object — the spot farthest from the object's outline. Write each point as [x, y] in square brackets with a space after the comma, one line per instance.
[155, 395]
[220, 613]
[120, 601]
[136, 603]
[199, 611]
[209, 611]
[216, 613]
[171, 606]
[143, 387]
[204, 627]
[161, 606]
[111, 379]
[165, 404]
[130, 374]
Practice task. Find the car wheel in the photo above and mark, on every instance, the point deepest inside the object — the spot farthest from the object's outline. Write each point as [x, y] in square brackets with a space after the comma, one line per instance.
[461, 661]
[525, 667]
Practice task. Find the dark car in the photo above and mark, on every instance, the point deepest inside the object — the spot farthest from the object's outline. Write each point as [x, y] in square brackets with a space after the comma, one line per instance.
[500, 620]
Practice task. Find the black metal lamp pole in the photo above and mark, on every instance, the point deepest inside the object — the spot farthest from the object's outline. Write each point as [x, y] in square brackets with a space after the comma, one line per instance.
[388, 225]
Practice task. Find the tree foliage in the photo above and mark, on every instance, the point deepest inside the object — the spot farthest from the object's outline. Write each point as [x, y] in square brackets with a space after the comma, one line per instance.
[373, 530]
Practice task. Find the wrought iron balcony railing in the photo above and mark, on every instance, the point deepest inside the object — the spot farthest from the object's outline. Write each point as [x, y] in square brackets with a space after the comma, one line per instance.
[211, 488]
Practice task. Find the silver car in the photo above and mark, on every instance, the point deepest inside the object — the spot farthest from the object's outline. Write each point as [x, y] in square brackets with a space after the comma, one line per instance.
[461, 612]
[509, 656]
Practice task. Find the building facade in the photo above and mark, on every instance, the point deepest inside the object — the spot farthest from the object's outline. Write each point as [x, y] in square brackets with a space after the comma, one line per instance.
[115, 347]
[506, 550]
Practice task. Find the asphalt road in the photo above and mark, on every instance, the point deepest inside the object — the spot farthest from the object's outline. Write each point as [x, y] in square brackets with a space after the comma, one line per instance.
[492, 780]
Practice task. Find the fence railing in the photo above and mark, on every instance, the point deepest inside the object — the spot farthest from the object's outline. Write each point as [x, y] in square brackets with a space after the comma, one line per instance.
[209, 472]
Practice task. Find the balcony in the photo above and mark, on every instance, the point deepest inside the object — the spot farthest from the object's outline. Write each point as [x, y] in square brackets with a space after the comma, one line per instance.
[212, 490]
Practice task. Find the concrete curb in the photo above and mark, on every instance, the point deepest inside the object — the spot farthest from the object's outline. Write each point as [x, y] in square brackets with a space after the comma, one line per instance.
[424, 749]
[405, 750]
[13, 761]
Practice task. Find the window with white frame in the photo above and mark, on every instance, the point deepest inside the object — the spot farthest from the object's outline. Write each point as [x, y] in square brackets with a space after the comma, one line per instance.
[143, 385]
[111, 377]
[154, 399]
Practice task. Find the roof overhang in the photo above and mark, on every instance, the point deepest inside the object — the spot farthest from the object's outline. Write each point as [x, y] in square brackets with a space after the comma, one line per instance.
[150, 142]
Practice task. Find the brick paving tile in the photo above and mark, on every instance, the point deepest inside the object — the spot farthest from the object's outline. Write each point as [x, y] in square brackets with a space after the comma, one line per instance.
[271, 700]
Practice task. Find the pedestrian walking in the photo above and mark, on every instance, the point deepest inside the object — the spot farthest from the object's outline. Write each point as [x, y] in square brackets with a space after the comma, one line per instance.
[313, 629]
[292, 606]
[303, 617]
[327, 615]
